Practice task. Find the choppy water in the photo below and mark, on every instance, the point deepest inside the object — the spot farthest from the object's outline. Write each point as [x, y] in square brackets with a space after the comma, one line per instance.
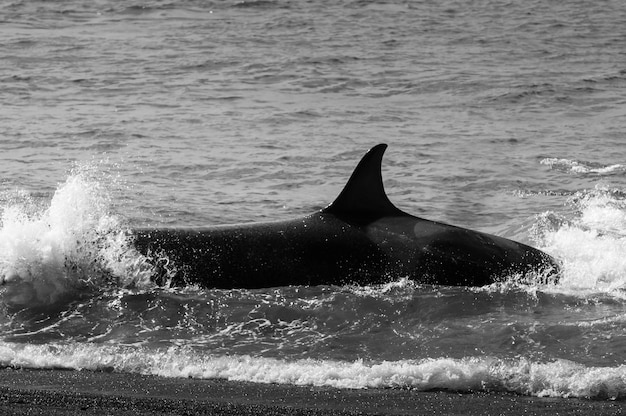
[508, 117]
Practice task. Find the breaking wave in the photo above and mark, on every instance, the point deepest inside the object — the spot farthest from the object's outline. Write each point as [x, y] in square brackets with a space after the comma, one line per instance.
[504, 337]
[559, 378]
[590, 241]
[50, 252]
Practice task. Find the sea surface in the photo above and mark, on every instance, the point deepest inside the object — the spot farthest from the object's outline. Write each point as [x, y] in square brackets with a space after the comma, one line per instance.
[507, 117]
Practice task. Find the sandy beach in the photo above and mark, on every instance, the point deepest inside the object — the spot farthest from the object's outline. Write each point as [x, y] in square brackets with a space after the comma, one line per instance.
[59, 392]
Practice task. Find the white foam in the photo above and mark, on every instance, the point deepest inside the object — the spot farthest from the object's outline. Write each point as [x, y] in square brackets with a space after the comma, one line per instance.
[591, 244]
[47, 252]
[582, 167]
[560, 378]
[397, 290]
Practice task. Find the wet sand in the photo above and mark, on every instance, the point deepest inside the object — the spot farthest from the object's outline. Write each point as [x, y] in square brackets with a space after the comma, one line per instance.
[58, 392]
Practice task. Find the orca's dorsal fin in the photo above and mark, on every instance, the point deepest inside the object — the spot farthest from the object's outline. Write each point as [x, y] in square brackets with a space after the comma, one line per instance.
[364, 195]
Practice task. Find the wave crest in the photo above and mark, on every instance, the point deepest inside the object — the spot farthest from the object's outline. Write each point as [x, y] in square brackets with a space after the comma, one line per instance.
[46, 253]
[559, 378]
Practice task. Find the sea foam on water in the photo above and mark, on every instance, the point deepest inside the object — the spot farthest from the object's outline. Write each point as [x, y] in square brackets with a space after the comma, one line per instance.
[559, 378]
[76, 242]
[591, 244]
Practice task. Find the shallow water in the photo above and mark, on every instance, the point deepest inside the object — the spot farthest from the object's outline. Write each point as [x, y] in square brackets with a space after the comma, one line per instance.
[507, 118]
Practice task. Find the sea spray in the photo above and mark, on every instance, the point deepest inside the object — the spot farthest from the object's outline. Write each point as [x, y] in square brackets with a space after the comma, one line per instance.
[590, 242]
[75, 242]
[563, 340]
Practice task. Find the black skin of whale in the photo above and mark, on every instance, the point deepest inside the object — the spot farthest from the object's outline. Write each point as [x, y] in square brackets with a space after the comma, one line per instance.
[361, 238]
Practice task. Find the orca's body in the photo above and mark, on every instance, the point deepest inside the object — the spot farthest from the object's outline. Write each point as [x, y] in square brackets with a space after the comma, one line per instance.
[361, 238]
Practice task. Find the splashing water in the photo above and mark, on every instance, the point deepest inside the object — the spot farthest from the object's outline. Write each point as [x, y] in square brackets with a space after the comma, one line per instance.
[508, 336]
[75, 243]
[591, 245]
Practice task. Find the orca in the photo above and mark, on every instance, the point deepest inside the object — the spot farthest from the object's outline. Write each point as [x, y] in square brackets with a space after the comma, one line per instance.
[361, 238]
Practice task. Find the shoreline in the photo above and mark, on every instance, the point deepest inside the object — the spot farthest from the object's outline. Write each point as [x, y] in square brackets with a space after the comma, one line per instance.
[67, 392]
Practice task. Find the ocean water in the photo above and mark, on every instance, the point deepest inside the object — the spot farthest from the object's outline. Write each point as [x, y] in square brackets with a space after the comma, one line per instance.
[506, 117]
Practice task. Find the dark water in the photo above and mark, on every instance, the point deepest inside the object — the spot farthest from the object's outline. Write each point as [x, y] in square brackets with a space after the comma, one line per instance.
[504, 117]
